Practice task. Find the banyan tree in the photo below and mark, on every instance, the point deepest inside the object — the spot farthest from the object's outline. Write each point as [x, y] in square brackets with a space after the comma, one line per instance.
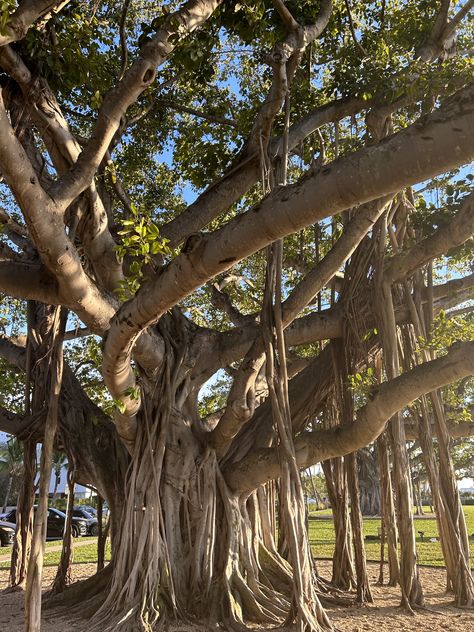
[236, 243]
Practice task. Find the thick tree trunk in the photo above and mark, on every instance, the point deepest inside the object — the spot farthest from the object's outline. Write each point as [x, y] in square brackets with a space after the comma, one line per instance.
[35, 563]
[185, 541]
[188, 547]
[343, 572]
[24, 517]
[389, 520]
[63, 575]
[363, 586]
[412, 593]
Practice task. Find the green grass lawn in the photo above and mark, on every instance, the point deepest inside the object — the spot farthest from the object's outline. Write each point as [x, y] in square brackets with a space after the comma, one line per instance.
[82, 554]
[321, 535]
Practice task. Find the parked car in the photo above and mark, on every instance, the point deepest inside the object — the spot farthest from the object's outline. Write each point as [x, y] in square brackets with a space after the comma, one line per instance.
[91, 519]
[56, 522]
[7, 533]
[93, 510]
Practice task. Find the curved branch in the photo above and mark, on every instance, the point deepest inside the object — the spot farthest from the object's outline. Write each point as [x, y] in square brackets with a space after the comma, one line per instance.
[29, 281]
[28, 12]
[45, 222]
[262, 465]
[64, 151]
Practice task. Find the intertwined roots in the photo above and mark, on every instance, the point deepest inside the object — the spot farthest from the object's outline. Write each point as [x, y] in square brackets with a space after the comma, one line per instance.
[188, 548]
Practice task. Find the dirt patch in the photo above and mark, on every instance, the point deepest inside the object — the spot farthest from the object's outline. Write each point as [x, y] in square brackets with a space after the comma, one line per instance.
[383, 616]
[12, 608]
[386, 615]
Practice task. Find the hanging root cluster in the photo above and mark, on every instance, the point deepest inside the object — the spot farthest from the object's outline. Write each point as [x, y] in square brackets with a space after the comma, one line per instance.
[164, 558]
[306, 609]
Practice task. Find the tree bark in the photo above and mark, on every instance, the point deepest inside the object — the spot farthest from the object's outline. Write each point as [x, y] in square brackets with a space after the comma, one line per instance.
[389, 518]
[63, 574]
[35, 564]
[343, 572]
[24, 517]
[412, 593]
[7, 493]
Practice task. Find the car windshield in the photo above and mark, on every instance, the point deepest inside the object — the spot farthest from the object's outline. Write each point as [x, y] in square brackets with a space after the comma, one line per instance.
[56, 513]
[82, 513]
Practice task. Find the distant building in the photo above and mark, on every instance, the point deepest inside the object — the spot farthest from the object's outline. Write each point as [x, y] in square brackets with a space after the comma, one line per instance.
[79, 492]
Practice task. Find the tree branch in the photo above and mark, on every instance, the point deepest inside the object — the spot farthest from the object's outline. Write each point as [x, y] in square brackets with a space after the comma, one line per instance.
[262, 465]
[175, 27]
[288, 19]
[352, 29]
[15, 233]
[45, 222]
[123, 37]
[199, 113]
[221, 300]
[454, 233]
[12, 423]
[435, 44]
[414, 154]
[24, 16]
[29, 281]
[230, 346]
[64, 151]
[241, 401]
[456, 431]
[245, 174]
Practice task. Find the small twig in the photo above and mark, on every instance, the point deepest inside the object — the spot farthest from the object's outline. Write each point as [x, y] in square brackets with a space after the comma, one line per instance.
[463, 11]
[123, 38]
[199, 113]
[318, 162]
[352, 29]
[284, 153]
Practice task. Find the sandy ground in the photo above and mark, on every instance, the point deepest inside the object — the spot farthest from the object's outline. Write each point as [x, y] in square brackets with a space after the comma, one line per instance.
[383, 616]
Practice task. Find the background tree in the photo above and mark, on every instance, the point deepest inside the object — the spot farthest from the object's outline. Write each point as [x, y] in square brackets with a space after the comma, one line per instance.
[59, 461]
[11, 463]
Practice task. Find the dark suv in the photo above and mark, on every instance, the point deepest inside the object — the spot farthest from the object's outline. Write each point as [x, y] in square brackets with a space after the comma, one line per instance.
[56, 522]
[7, 533]
[91, 520]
